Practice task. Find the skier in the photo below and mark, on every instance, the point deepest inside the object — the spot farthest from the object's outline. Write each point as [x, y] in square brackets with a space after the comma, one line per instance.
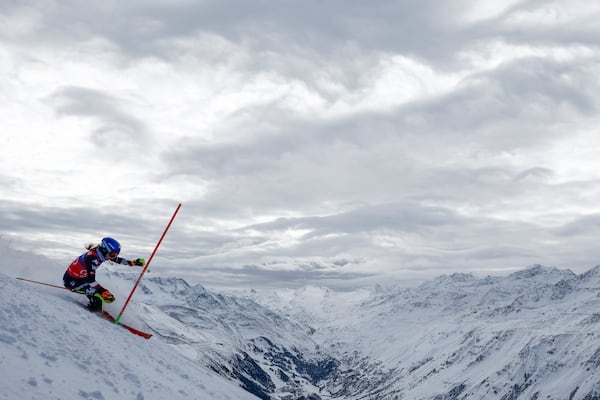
[81, 274]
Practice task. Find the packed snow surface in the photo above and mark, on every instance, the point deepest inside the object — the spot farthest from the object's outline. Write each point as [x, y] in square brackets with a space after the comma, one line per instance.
[51, 347]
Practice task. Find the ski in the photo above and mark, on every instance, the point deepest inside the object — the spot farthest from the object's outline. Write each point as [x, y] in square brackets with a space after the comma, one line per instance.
[102, 314]
[109, 317]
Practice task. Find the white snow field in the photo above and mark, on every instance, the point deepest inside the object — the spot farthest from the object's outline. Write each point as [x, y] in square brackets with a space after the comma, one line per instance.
[53, 348]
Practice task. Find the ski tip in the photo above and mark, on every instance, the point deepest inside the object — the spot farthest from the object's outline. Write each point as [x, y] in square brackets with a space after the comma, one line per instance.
[109, 317]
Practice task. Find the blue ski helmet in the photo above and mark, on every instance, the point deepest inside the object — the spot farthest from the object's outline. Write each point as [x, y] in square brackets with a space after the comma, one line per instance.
[110, 246]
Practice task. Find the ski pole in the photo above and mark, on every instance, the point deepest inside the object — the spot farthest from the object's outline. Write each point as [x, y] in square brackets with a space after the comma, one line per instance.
[44, 283]
[51, 285]
[147, 265]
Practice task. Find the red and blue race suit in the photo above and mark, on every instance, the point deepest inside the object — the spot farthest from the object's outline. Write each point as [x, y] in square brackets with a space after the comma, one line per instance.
[81, 273]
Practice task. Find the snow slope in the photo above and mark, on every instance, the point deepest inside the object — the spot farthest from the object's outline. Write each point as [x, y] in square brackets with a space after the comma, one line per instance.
[52, 348]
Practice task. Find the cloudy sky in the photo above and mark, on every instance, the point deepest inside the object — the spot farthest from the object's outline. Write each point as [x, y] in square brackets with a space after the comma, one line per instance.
[334, 142]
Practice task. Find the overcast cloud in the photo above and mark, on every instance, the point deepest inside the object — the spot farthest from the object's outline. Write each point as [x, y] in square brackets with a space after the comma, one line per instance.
[340, 143]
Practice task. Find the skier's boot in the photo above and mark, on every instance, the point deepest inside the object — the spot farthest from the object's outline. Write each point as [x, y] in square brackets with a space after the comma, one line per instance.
[95, 304]
[105, 296]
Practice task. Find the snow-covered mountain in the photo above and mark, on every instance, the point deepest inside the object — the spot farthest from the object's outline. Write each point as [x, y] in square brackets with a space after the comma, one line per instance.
[529, 335]
[264, 352]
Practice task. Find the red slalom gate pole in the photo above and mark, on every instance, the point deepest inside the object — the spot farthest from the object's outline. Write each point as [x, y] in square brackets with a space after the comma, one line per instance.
[147, 265]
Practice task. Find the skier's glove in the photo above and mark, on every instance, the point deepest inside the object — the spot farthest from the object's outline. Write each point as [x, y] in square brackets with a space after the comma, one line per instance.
[140, 262]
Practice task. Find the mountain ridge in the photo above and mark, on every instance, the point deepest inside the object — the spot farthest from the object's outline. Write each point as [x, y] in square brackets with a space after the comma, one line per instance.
[436, 338]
